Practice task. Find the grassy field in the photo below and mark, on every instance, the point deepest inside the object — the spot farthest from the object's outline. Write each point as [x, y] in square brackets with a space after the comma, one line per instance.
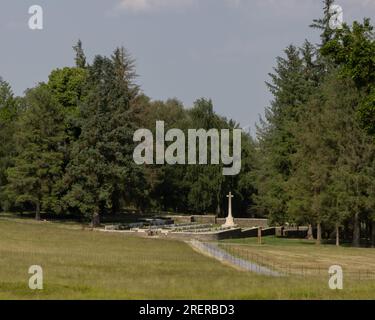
[303, 257]
[81, 264]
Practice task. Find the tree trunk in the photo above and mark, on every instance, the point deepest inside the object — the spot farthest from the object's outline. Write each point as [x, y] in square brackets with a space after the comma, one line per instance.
[218, 209]
[337, 235]
[37, 211]
[319, 234]
[310, 235]
[373, 234]
[356, 231]
[95, 220]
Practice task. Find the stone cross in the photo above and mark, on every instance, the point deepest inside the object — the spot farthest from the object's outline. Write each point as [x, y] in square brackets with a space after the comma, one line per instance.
[229, 223]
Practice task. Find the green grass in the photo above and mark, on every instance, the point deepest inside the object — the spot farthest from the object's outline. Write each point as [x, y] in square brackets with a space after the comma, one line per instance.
[304, 256]
[81, 264]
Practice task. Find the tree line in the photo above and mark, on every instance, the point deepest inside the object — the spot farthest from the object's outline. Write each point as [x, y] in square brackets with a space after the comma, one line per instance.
[316, 158]
[67, 147]
[67, 144]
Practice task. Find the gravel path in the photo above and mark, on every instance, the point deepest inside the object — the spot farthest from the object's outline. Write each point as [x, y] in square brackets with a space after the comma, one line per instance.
[212, 250]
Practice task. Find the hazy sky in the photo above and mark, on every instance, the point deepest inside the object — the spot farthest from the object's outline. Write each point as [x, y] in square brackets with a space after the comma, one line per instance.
[220, 49]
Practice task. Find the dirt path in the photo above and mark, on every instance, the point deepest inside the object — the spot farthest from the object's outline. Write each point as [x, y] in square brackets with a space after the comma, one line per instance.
[212, 250]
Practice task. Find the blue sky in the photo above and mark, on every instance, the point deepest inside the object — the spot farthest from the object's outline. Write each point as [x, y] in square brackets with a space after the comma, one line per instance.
[219, 49]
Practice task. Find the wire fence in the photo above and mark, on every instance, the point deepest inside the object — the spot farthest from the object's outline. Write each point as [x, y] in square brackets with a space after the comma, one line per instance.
[294, 269]
[216, 252]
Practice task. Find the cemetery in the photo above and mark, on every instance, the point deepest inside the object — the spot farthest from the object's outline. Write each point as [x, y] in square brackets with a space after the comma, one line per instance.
[208, 228]
[189, 231]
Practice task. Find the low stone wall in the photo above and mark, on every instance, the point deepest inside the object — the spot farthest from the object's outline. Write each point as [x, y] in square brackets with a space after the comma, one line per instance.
[249, 233]
[180, 219]
[212, 219]
[221, 235]
[253, 232]
[201, 236]
[246, 222]
[206, 236]
[204, 219]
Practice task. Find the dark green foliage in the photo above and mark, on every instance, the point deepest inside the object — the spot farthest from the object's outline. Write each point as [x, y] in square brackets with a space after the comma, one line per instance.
[8, 115]
[315, 163]
[205, 182]
[80, 58]
[353, 51]
[367, 112]
[294, 80]
[39, 139]
[68, 87]
[197, 188]
[322, 24]
[101, 170]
